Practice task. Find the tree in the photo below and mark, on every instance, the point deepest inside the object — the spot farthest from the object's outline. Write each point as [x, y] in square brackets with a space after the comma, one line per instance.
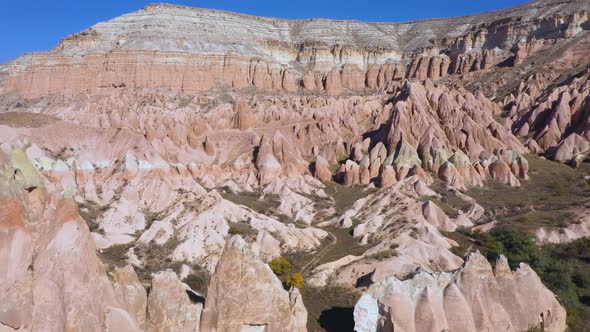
[280, 266]
[296, 280]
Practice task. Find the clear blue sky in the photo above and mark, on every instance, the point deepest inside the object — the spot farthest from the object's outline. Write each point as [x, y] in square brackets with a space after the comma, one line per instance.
[38, 25]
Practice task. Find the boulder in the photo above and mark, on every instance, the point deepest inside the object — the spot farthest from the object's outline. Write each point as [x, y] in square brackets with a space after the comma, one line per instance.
[451, 177]
[351, 173]
[570, 147]
[388, 177]
[435, 216]
[132, 293]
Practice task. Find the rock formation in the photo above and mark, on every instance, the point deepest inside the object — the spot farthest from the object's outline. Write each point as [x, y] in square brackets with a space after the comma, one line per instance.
[145, 143]
[128, 51]
[559, 120]
[52, 279]
[244, 294]
[51, 246]
[169, 308]
[473, 298]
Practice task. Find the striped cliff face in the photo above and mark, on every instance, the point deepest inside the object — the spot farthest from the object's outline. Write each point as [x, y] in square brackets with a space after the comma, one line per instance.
[194, 50]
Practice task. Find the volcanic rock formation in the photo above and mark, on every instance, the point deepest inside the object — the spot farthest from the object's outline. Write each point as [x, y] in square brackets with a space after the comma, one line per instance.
[213, 48]
[135, 150]
[244, 294]
[473, 298]
[52, 279]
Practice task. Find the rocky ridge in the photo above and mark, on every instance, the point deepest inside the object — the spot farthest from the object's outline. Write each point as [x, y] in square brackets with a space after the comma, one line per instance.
[215, 48]
[473, 298]
[54, 281]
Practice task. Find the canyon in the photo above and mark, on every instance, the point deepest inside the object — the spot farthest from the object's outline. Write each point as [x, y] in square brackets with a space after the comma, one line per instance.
[154, 167]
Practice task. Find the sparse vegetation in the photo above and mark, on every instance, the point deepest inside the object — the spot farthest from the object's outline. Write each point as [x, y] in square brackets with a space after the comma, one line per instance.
[541, 201]
[116, 254]
[91, 212]
[183, 101]
[156, 257]
[384, 254]
[516, 246]
[234, 230]
[226, 98]
[280, 266]
[344, 197]
[244, 229]
[198, 280]
[252, 200]
[25, 119]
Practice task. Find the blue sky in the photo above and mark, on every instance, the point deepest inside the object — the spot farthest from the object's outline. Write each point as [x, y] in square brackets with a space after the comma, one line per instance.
[38, 25]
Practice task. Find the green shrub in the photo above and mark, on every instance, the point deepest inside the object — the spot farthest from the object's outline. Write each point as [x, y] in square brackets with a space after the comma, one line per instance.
[516, 246]
[280, 266]
[296, 280]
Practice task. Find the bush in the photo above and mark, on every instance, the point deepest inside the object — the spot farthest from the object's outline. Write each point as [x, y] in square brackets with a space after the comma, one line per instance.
[234, 230]
[516, 246]
[296, 280]
[280, 266]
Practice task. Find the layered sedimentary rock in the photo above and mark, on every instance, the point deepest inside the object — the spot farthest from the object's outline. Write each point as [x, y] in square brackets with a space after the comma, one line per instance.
[173, 128]
[211, 48]
[473, 298]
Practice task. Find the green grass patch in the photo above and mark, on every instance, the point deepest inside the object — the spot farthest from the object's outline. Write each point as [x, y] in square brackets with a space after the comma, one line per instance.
[344, 197]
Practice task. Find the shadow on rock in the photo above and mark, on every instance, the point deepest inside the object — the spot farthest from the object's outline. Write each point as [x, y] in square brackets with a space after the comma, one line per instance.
[337, 319]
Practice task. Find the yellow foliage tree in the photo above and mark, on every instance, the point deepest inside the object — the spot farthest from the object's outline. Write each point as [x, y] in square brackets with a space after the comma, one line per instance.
[296, 280]
[280, 266]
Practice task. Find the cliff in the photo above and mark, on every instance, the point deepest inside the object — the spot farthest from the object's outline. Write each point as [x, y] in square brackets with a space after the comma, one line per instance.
[192, 50]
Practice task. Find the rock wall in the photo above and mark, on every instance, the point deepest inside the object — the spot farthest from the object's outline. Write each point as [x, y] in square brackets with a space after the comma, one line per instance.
[194, 50]
[474, 298]
[52, 280]
[245, 295]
